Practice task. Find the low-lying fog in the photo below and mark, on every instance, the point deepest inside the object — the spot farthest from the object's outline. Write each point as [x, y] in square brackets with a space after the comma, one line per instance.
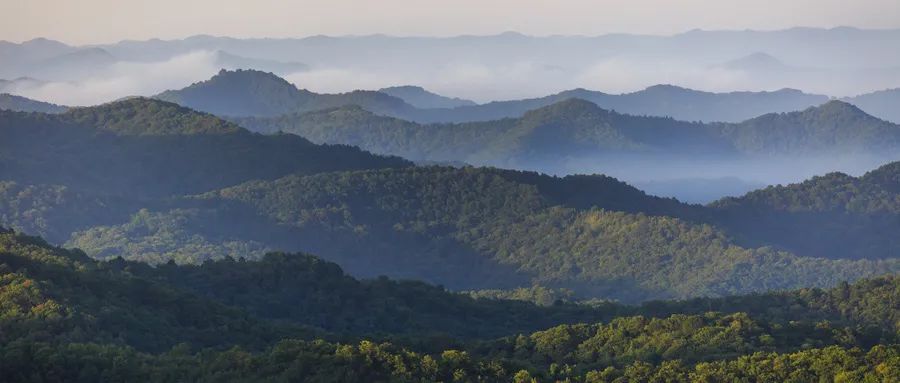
[706, 180]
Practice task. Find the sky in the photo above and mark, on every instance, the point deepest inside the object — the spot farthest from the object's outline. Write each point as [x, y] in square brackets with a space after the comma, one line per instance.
[107, 21]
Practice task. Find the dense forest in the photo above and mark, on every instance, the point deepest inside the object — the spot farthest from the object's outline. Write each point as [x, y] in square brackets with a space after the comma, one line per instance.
[245, 229]
[474, 228]
[295, 317]
[187, 186]
[833, 216]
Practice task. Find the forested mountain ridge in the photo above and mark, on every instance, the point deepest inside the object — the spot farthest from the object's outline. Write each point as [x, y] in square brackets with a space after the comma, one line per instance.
[569, 128]
[184, 185]
[281, 295]
[140, 116]
[476, 228]
[835, 215]
[834, 126]
[575, 128]
[143, 147]
[57, 295]
[123, 321]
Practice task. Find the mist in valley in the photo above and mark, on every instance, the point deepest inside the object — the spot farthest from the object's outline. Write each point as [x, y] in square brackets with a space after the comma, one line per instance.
[704, 179]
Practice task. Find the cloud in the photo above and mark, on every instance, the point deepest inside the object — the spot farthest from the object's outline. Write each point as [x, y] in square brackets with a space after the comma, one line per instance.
[624, 75]
[468, 79]
[337, 80]
[124, 79]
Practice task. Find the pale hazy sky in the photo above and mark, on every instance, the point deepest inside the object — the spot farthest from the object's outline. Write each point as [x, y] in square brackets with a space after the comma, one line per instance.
[104, 21]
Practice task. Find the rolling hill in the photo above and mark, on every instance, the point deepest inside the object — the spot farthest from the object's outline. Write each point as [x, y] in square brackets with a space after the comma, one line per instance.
[475, 228]
[143, 147]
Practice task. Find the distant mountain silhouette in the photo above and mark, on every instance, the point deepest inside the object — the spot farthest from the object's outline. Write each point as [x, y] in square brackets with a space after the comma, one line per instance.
[757, 62]
[575, 127]
[23, 104]
[230, 61]
[884, 104]
[257, 93]
[658, 100]
[421, 98]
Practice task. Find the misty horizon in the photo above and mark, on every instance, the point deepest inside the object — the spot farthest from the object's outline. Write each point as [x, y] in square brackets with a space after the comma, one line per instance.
[745, 60]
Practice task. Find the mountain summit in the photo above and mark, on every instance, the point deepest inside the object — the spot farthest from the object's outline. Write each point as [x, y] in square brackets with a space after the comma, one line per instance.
[240, 93]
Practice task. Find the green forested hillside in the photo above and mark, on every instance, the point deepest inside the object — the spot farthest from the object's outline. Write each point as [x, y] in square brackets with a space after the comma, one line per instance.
[58, 296]
[66, 317]
[186, 186]
[477, 228]
[832, 216]
[53, 294]
[55, 211]
[143, 147]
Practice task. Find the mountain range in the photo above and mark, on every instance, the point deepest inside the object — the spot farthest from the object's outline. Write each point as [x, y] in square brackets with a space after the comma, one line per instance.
[273, 96]
[187, 186]
[576, 128]
[270, 96]
[187, 245]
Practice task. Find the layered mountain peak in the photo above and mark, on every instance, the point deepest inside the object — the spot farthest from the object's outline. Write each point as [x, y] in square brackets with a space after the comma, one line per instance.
[422, 98]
